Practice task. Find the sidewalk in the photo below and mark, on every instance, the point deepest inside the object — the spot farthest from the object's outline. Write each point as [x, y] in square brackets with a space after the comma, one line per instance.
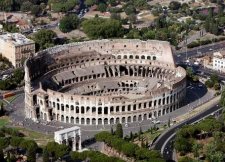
[197, 110]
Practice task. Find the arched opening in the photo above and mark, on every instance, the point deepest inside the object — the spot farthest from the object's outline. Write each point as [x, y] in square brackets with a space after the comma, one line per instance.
[105, 121]
[88, 121]
[72, 120]
[77, 120]
[134, 118]
[129, 119]
[99, 121]
[117, 120]
[123, 119]
[111, 121]
[139, 118]
[82, 121]
[93, 121]
[145, 116]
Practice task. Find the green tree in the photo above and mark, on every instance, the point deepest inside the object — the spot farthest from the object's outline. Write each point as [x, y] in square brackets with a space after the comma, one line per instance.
[102, 7]
[183, 145]
[209, 83]
[216, 86]
[15, 141]
[45, 155]
[90, 2]
[31, 155]
[18, 75]
[174, 5]
[119, 130]
[129, 149]
[102, 28]
[36, 10]
[222, 99]
[44, 39]
[196, 148]
[68, 23]
[130, 9]
[26, 6]
[112, 2]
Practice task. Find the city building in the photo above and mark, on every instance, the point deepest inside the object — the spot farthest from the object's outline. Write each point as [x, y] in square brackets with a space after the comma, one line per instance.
[16, 48]
[219, 61]
[70, 137]
[103, 82]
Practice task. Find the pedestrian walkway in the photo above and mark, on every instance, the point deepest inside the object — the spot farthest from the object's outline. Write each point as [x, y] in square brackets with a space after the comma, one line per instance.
[197, 110]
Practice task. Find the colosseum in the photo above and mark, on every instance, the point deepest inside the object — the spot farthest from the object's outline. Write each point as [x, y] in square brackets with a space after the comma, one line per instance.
[103, 82]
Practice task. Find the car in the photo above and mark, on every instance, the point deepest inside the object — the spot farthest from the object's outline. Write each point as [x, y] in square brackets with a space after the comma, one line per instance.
[156, 122]
[210, 49]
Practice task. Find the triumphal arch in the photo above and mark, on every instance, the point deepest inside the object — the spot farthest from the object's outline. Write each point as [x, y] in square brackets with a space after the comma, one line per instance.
[69, 136]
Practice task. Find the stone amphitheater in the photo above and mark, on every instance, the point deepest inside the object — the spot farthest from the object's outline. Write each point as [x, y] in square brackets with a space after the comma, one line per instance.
[103, 82]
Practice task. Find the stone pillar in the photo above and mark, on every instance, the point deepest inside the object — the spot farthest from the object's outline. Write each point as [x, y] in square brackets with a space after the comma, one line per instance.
[74, 142]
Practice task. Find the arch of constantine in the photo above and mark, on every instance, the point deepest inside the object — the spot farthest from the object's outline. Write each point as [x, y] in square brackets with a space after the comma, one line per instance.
[103, 82]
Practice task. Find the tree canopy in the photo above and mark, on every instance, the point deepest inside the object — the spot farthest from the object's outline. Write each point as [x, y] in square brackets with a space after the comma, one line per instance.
[68, 23]
[102, 28]
[44, 39]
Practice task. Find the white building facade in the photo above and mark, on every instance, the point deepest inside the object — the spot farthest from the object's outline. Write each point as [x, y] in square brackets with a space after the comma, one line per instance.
[219, 61]
[69, 136]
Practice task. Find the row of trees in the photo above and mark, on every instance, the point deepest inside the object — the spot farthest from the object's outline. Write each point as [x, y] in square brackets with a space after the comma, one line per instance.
[187, 136]
[128, 148]
[12, 137]
[36, 7]
[93, 156]
[62, 5]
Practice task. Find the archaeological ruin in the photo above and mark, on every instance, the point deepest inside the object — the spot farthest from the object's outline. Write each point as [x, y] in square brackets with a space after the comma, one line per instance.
[103, 82]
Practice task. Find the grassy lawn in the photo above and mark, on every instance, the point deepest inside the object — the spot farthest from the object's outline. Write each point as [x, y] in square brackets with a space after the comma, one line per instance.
[10, 99]
[150, 137]
[40, 138]
[4, 120]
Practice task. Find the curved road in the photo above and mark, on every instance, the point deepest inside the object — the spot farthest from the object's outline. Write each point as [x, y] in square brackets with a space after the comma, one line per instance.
[165, 143]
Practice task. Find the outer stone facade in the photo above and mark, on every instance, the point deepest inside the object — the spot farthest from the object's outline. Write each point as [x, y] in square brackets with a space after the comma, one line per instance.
[103, 82]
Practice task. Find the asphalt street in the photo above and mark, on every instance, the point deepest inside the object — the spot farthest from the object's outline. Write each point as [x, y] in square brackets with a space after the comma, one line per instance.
[168, 148]
[182, 56]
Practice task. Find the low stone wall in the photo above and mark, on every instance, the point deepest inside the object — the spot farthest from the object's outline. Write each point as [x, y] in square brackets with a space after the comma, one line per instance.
[112, 152]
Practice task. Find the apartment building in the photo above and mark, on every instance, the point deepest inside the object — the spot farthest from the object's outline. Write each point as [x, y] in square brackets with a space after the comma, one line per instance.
[16, 48]
[219, 61]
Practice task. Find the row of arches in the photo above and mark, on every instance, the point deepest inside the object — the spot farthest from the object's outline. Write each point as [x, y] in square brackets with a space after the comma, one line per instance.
[80, 109]
[110, 120]
[143, 57]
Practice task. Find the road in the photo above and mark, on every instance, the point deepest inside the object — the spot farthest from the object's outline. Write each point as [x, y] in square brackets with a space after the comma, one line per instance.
[181, 56]
[165, 144]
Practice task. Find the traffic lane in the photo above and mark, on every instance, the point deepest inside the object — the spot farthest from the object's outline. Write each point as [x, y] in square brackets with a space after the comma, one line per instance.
[209, 72]
[168, 151]
[163, 139]
[182, 55]
[204, 49]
